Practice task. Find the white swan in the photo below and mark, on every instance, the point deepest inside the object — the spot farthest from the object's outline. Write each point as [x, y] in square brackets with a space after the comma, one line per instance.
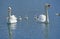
[11, 18]
[44, 18]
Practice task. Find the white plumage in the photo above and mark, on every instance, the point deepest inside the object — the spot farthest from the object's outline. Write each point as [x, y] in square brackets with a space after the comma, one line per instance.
[42, 18]
[11, 18]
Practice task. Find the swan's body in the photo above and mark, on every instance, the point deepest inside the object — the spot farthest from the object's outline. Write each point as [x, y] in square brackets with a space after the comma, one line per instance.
[42, 18]
[45, 18]
[11, 18]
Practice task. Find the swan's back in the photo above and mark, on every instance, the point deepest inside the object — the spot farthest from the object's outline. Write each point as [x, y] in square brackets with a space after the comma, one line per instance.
[12, 19]
[42, 18]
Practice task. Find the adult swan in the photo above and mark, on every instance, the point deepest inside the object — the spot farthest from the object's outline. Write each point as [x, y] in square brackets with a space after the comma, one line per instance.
[11, 18]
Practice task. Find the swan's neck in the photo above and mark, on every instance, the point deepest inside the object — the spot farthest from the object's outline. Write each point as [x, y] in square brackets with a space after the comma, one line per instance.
[46, 13]
[9, 14]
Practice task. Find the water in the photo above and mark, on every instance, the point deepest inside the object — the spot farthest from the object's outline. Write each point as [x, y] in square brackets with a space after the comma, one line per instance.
[29, 29]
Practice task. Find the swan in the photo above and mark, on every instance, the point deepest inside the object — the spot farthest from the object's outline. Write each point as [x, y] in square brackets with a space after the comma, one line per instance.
[20, 18]
[44, 18]
[57, 14]
[11, 18]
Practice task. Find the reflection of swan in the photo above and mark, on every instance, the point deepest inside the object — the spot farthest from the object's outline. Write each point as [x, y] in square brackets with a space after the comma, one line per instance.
[11, 18]
[11, 28]
[45, 28]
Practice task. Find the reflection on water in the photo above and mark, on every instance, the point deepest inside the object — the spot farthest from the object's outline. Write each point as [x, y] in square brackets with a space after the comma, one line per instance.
[11, 28]
[45, 28]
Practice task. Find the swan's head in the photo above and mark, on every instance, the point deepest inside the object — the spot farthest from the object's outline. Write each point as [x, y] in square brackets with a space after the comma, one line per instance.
[9, 8]
[9, 11]
[47, 5]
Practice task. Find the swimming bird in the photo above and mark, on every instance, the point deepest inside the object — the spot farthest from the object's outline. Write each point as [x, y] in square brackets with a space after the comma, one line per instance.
[57, 14]
[43, 18]
[11, 18]
[20, 18]
[26, 17]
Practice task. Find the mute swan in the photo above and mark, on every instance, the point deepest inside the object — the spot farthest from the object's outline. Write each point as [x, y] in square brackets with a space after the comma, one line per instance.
[11, 18]
[44, 18]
